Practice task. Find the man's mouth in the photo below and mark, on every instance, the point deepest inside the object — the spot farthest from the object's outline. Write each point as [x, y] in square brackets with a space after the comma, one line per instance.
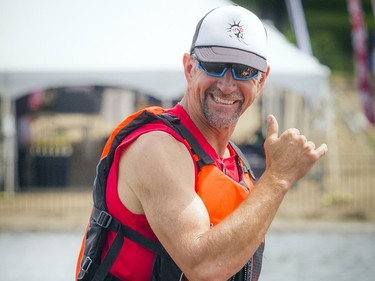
[222, 101]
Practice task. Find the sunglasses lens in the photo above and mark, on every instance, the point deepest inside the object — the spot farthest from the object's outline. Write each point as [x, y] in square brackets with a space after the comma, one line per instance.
[244, 72]
[213, 68]
[240, 71]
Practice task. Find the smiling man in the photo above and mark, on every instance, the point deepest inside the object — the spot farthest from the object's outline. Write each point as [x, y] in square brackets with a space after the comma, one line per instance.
[173, 197]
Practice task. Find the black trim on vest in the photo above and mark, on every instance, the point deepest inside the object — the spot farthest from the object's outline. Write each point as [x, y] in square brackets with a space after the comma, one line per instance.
[243, 159]
[116, 226]
[204, 158]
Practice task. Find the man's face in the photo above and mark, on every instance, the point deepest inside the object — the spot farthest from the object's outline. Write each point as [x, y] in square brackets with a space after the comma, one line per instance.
[221, 100]
[222, 109]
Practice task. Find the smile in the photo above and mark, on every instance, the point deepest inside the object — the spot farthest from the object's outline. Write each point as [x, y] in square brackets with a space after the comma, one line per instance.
[222, 101]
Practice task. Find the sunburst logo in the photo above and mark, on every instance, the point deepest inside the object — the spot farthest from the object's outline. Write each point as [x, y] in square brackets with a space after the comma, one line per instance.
[235, 30]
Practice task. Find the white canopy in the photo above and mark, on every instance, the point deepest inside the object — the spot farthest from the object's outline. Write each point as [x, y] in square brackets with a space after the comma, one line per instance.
[133, 44]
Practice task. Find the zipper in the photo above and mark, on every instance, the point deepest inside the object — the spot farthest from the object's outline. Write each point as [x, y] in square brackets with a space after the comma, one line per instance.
[249, 270]
[245, 271]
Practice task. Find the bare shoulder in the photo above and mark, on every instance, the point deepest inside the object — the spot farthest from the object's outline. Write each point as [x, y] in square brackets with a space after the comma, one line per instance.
[157, 150]
[152, 167]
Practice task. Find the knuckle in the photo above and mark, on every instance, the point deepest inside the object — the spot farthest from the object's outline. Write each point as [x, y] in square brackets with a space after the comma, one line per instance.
[310, 145]
[303, 139]
[290, 133]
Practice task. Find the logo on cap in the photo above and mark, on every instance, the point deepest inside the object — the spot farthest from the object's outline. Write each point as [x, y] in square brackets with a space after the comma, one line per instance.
[236, 31]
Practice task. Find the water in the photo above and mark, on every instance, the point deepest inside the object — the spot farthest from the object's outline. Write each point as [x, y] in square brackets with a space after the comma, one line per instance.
[320, 256]
[38, 256]
[289, 256]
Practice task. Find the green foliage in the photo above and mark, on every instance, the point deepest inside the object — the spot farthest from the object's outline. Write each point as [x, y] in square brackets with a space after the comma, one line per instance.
[327, 49]
[329, 27]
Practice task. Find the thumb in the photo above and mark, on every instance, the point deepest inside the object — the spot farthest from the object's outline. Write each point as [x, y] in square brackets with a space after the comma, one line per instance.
[272, 128]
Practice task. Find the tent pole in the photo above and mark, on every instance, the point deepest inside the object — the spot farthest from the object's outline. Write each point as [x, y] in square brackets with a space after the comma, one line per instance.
[297, 16]
[9, 145]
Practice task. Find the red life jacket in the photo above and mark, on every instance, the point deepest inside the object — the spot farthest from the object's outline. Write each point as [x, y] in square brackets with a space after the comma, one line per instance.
[220, 202]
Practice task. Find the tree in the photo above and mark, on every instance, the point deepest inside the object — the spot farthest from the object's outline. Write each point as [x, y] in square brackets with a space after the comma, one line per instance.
[328, 24]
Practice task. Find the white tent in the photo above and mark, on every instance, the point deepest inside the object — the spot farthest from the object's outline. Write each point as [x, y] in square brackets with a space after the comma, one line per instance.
[135, 44]
[132, 44]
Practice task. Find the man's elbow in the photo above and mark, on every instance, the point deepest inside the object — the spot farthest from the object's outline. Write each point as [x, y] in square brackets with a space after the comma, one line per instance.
[206, 272]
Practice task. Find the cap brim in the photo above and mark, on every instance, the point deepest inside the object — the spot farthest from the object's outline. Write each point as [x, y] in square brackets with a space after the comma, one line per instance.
[230, 55]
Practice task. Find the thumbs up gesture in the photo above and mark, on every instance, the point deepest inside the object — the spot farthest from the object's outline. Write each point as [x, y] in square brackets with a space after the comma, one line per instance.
[290, 156]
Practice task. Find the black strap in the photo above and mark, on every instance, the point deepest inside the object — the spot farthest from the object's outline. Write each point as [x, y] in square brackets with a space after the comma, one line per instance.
[111, 277]
[243, 159]
[204, 158]
[105, 220]
[109, 258]
[142, 240]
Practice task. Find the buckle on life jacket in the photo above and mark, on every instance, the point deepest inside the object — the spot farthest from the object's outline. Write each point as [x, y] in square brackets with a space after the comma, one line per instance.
[104, 219]
[86, 264]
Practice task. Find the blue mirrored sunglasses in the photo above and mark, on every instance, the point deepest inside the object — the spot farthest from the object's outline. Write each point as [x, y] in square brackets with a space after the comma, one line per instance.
[239, 71]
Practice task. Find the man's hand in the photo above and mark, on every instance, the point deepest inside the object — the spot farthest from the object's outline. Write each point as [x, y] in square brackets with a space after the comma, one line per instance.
[290, 156]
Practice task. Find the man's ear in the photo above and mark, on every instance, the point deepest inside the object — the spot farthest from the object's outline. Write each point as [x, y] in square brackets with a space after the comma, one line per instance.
[264, 76]
[188, 65]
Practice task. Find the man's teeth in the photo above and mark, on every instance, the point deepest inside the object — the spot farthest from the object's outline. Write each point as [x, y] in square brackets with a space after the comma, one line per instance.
[219, 100]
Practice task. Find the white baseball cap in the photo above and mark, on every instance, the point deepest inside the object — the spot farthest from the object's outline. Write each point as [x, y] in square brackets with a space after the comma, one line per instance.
[231, 34]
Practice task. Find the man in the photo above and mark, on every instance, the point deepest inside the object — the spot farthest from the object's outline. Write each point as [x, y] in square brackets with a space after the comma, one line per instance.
[163, 179]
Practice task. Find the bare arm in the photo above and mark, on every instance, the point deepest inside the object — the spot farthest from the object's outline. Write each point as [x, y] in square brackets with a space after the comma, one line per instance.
[160, 172]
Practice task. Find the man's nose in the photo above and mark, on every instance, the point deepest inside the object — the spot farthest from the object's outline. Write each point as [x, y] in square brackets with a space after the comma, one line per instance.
[227, 84]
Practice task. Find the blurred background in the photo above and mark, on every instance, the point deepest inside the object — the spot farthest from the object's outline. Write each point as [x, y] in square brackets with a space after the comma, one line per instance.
[70, 71]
